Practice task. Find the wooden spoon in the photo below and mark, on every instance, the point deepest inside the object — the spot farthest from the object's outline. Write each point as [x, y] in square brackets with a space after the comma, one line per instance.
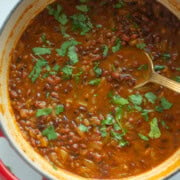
[159, 79]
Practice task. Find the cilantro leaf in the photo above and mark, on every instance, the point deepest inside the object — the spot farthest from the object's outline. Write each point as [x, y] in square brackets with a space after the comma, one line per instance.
[154, 129]
[145, 112]
[103, 131]
[116, 99]
[83, 128]
[56, 67]
[136, 99]
[67, 70]
[165, 103]
[97, 70]
[50, 133]
[59, 109]
[166, 56]
[83, 8]
[118, 113]
[65, 46]
[163, 123]
[119, 137]
[159, 109]
[159, 67]
[83, 1]
[81, 22]
[62, 19]
[35, 73]
[177, 78]
[95, 82]
[117, 46]
[145, 138]
[63, 32]
[141, 45]
[41, 51]
[151, 97]
[72, 54]
[43, 112]
[105, 50]
[120, 4]
[108, 120]
[54, 12]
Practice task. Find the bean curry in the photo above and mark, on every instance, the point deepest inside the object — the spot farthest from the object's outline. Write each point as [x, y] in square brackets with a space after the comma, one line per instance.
[71, 86]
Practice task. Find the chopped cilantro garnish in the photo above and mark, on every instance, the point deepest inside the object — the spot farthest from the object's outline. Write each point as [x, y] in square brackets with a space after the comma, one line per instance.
[99, 25]
[143, 137]
[177, 78]
[159, 109]
[97, 70]
[56, 67]
[35, 73]
[117, 46]
[165, 103]
[54, 12]
[83, 8]
[81, 22]
[136, 99]
[108, 120]
[143, 67]
[141, 45]
[44, 39]
[41, 51]
[77, 75]
[116, 127]
[61, 18]
[145, 112]
[123, 143]
[118, 113]
[163, 123]
[95, 82]
[50, 133]
[59, 109]
[103, 131]
[63, 32]
[151, 97]
[120, 4]
[154, 129]
[116, 136]
[83, 1]
[166, 56]
[83, 128]
[138, 108]
[43, 112]
[119, 137]
[65, 46]
[105, 50]
[116, 99]
[67, 70]
[159, 67]
[72, 54]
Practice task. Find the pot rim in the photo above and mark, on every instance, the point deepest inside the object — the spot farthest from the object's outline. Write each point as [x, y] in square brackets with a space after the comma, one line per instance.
[170, 172]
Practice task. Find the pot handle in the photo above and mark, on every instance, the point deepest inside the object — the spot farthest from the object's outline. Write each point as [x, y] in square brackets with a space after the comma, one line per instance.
[5, 173]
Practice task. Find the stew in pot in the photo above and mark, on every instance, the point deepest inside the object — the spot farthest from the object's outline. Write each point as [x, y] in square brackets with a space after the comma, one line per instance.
[71, 86]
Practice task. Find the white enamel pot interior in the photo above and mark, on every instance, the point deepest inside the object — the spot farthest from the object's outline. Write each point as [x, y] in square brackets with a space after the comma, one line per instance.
[18, 20]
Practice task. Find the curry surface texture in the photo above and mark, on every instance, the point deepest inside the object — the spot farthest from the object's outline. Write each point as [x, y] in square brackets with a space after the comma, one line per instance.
[71, 86]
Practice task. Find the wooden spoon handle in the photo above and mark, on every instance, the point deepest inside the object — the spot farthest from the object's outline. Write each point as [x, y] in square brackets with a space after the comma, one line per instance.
[161, 80]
